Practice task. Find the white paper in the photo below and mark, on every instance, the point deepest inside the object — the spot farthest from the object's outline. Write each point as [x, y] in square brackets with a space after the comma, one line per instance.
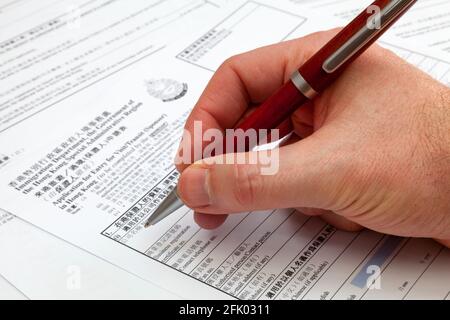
[426, 23]
[51, 50]
[245, 258]
[126, 137]
[9, 292]
[87, 41]
[49, 268]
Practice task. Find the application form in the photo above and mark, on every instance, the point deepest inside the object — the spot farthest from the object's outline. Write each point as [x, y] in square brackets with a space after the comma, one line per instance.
[93, 175]
[95, 179]
[49, 51]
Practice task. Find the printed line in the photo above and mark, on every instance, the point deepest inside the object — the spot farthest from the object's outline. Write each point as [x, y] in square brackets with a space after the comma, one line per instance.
[136, 202]
[331, 265]
[358, 266]
[309, 260]
[292, 260]
[83, 88]
[420, 276]
[219, 243]
[233, 251]
[276, 252]
[271, 234]
[168, 230]
[387, 265]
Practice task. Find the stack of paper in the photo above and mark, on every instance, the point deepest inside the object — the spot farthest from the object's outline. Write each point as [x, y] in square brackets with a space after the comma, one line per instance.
[93, 100]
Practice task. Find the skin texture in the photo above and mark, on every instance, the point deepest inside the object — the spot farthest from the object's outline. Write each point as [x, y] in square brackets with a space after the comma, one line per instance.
[374, 153]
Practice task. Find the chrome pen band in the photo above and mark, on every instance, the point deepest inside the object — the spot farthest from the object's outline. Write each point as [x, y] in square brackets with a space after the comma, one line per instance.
[303, 86]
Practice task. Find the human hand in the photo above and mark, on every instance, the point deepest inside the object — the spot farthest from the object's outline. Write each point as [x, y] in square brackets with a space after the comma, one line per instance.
[375, 148]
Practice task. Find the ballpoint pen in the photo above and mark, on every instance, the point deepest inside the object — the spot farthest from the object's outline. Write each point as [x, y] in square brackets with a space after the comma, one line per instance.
[313, 77]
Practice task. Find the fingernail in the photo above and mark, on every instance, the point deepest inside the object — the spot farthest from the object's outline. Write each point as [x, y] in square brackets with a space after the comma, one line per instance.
[179, 156]
[195, 185]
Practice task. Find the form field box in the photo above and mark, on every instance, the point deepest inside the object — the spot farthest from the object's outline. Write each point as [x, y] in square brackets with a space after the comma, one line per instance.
[251, 26]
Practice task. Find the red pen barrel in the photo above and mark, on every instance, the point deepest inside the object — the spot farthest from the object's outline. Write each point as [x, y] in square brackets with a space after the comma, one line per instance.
[313, 71]
[275, 109]
[322, 69]
[273, 113]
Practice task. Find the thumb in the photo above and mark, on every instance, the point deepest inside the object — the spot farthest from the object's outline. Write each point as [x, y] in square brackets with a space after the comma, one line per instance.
[304, 174]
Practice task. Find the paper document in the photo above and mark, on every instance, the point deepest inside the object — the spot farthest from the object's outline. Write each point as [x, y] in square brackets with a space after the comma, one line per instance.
[9, 292]
[93, 174]
[50, 51]
[64, 271]
[427, 22]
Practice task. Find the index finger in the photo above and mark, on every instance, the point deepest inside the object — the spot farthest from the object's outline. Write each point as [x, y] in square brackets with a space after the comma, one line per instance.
[248, 79]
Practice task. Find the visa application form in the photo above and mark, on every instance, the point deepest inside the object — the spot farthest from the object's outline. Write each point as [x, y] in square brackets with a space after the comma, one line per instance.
[39, 67]
[95, 179]
[427, 23]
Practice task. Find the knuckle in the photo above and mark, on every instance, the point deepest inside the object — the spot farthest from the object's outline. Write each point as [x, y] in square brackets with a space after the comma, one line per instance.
[322, 35]
[351, 179]
[230, 62]
[246, 184]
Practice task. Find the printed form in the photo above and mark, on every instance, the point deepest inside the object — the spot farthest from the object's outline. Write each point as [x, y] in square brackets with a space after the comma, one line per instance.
[427, 23]
[51, 50]
[93, 168]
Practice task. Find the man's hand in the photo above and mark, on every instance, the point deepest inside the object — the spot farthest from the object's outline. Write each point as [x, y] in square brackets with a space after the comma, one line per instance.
[375, 148]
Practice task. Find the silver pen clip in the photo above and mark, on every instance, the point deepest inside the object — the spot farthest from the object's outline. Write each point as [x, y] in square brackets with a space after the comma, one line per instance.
[374, 26]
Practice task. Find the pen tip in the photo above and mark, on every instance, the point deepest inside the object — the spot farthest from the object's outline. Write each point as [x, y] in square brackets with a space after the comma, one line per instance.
[169, 205]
